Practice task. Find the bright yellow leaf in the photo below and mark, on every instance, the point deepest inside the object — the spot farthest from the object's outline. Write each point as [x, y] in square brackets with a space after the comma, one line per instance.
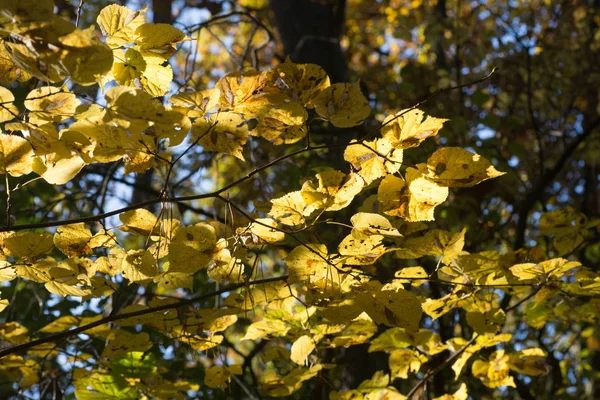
[342, 104]
[374, 159]
[413, 199]
[302, 82]
[301, 349]
[8, 110]
[457, 167]
[289, 209]
[224, 132]
[119, 24]
[159, 39]
[192, 248]
[139, 266]
[50, 104]
[26, 245]
[16, 155]
[73, 240]
[332, 191]
[407, 129]
[368, 224]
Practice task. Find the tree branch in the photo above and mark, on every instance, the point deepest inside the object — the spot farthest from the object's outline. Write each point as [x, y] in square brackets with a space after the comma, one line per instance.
[111, 318]
[537, 191]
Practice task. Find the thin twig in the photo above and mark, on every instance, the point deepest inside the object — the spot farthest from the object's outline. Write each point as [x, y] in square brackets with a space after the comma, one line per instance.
[116, 317]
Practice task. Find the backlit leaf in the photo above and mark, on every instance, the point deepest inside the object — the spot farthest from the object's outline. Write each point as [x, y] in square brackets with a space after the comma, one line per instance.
[342, 104]
[457, 167]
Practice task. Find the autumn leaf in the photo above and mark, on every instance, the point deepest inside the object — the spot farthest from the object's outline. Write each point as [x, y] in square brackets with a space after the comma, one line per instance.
[301, 349]
[8, 111]
[16, 155]
[407, 129]
[413, 199]
[342, 104]
[332, 191]
[73, 239]
[456, 167]
[225, 133]
[120, 23]
[373, 159]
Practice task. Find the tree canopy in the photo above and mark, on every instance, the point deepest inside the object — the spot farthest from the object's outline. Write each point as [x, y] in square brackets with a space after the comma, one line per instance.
[329, 200]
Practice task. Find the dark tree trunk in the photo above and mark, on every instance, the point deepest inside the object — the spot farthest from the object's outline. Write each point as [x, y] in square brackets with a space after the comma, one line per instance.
[310, 32]
[162, 14]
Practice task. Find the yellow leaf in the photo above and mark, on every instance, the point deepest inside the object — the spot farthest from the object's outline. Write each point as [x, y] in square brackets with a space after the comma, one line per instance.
[527, 271]
[73, 240]
[397, 338]
[120, 23]
[289, 209]
[238, 87]
[159, 39]
[103, 239]
[368, 224]
[9, 71]
[38, 272]
[301, 82]
[7, 271]
[393, 308]
[140, 221]
[448, 245]
[285, 386]
[530, 362]
[175, 280]
[253, 4]
[494, 373]
[8, 110]
[122, 341]
[229, 135]
[258, 233]
[407, 128]
[192, 248]
[414, 199]
[361, 251]
[306, 261]
[132, 68]
[216, 320]
[489, 322]
[50, 104]
[16, 155]
[266, 328]
[259, 295]
[61, 324]
[200, 343]
[301, 349]
[111, 265]
[374, 159]
[86, 59]
[457, 167]
[332, 191]
[551, 268]
[60, 171]
[414, 275]
[139, 266]
[64, 289]
[343, 104]
[460, 394]
[272, 110]
[196, 104]
[26, 245]
[403, 361]
[217, 377]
